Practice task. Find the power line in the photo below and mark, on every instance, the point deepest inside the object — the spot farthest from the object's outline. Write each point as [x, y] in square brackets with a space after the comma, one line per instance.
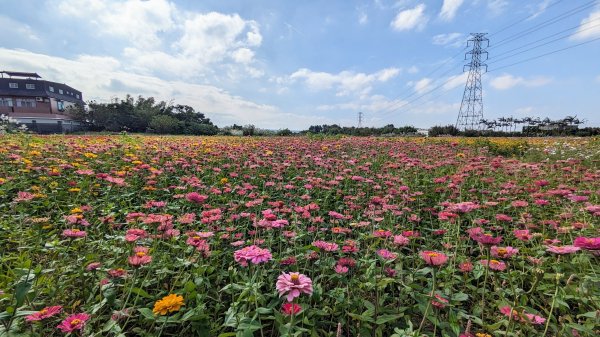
[536, 47]
[544, 24]
[511, 25]
[545, 54]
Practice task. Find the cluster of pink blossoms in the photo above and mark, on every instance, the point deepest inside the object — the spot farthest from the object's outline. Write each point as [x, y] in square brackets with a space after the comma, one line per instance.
[253, 254]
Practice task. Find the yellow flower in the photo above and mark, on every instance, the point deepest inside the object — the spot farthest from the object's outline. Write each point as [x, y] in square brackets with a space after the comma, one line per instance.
[76, 210]
[74, 189]
[90, 155]
[224, 180]
[167, 304]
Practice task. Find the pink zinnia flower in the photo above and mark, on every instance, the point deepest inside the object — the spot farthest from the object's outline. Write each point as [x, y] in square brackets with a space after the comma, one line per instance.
[196, 198]
[293, 284]
[503, 252]
[44, 313]
[465, 267]
[433, 258]
[561, 250]
[340, 269]
[400, 240]
[494, 264]
[93, 266]
[140, 257]
[326, 246]
[252, 254]
[522, 317]
[73, 233]
[386, 254]
[587, 243]
[135, 234]
[73, 322]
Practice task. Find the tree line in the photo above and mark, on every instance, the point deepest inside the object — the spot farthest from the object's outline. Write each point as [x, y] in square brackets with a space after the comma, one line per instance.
[143, 115]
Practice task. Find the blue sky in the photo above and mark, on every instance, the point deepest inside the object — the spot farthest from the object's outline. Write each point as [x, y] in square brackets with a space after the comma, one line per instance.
[291, 64]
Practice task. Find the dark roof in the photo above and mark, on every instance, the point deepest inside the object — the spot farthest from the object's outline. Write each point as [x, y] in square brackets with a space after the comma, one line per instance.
[42, 89]
[20, 74]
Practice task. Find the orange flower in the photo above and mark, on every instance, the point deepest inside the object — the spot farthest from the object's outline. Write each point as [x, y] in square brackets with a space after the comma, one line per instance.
[167, 304]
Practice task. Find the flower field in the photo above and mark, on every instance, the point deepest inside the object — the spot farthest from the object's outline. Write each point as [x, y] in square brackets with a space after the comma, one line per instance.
[187, 236]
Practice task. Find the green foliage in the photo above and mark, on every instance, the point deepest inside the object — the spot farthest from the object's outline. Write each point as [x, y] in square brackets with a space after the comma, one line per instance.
[142, 115]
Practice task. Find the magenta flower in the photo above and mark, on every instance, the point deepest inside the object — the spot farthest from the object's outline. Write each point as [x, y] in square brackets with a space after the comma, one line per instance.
[253, 254]
[494, 264]
[386, 254]
[433, 258]
[293, 284]
[44, 313]
[140, 257]
[196, 198]
[587, 243]
[73, 322]
[562, 250]
[522, 317]
[73, 233]
[400, 240]
[503, 252]
[326, 246]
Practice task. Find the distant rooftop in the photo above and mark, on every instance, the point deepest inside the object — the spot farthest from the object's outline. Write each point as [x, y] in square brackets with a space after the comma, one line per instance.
[19, 74]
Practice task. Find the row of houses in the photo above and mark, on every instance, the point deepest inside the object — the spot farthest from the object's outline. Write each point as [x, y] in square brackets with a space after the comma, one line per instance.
[37, 103]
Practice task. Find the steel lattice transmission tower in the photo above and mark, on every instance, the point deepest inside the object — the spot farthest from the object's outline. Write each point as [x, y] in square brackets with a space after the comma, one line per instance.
[471, 108]
[360, 119]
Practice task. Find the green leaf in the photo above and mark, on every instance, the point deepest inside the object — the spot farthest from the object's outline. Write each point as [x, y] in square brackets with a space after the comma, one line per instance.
[141, 292]
[21, 291]
[387, 318]
[147, 313]
[460, 297]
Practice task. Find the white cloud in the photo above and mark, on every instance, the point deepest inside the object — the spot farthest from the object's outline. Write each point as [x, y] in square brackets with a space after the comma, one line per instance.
[524, 111]
[539, 9]
[449, 39]
[497, 7]
[422, 85]
[243, 55]
[455, 81]
[139, 22]
[100, 78]
[408, 19]
[412, 70]
[589, 27]
[508, 81]
[363, 18]
[345, 82]
[449, 9]
[205, 44]
[17, 30]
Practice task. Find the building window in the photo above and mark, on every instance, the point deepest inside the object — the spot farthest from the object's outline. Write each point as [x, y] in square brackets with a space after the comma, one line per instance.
[30, 86]
[60, 91]
[77, 95]
[13, 85]
[51, 89]
[60, 105]
[6, 102]
[26, 103]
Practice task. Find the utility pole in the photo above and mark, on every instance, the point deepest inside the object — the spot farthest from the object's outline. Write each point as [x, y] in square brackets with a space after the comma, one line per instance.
[360, 119]
[471, 108]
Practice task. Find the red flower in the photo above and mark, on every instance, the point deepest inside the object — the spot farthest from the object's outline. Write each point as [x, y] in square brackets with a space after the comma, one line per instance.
[289, 309]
